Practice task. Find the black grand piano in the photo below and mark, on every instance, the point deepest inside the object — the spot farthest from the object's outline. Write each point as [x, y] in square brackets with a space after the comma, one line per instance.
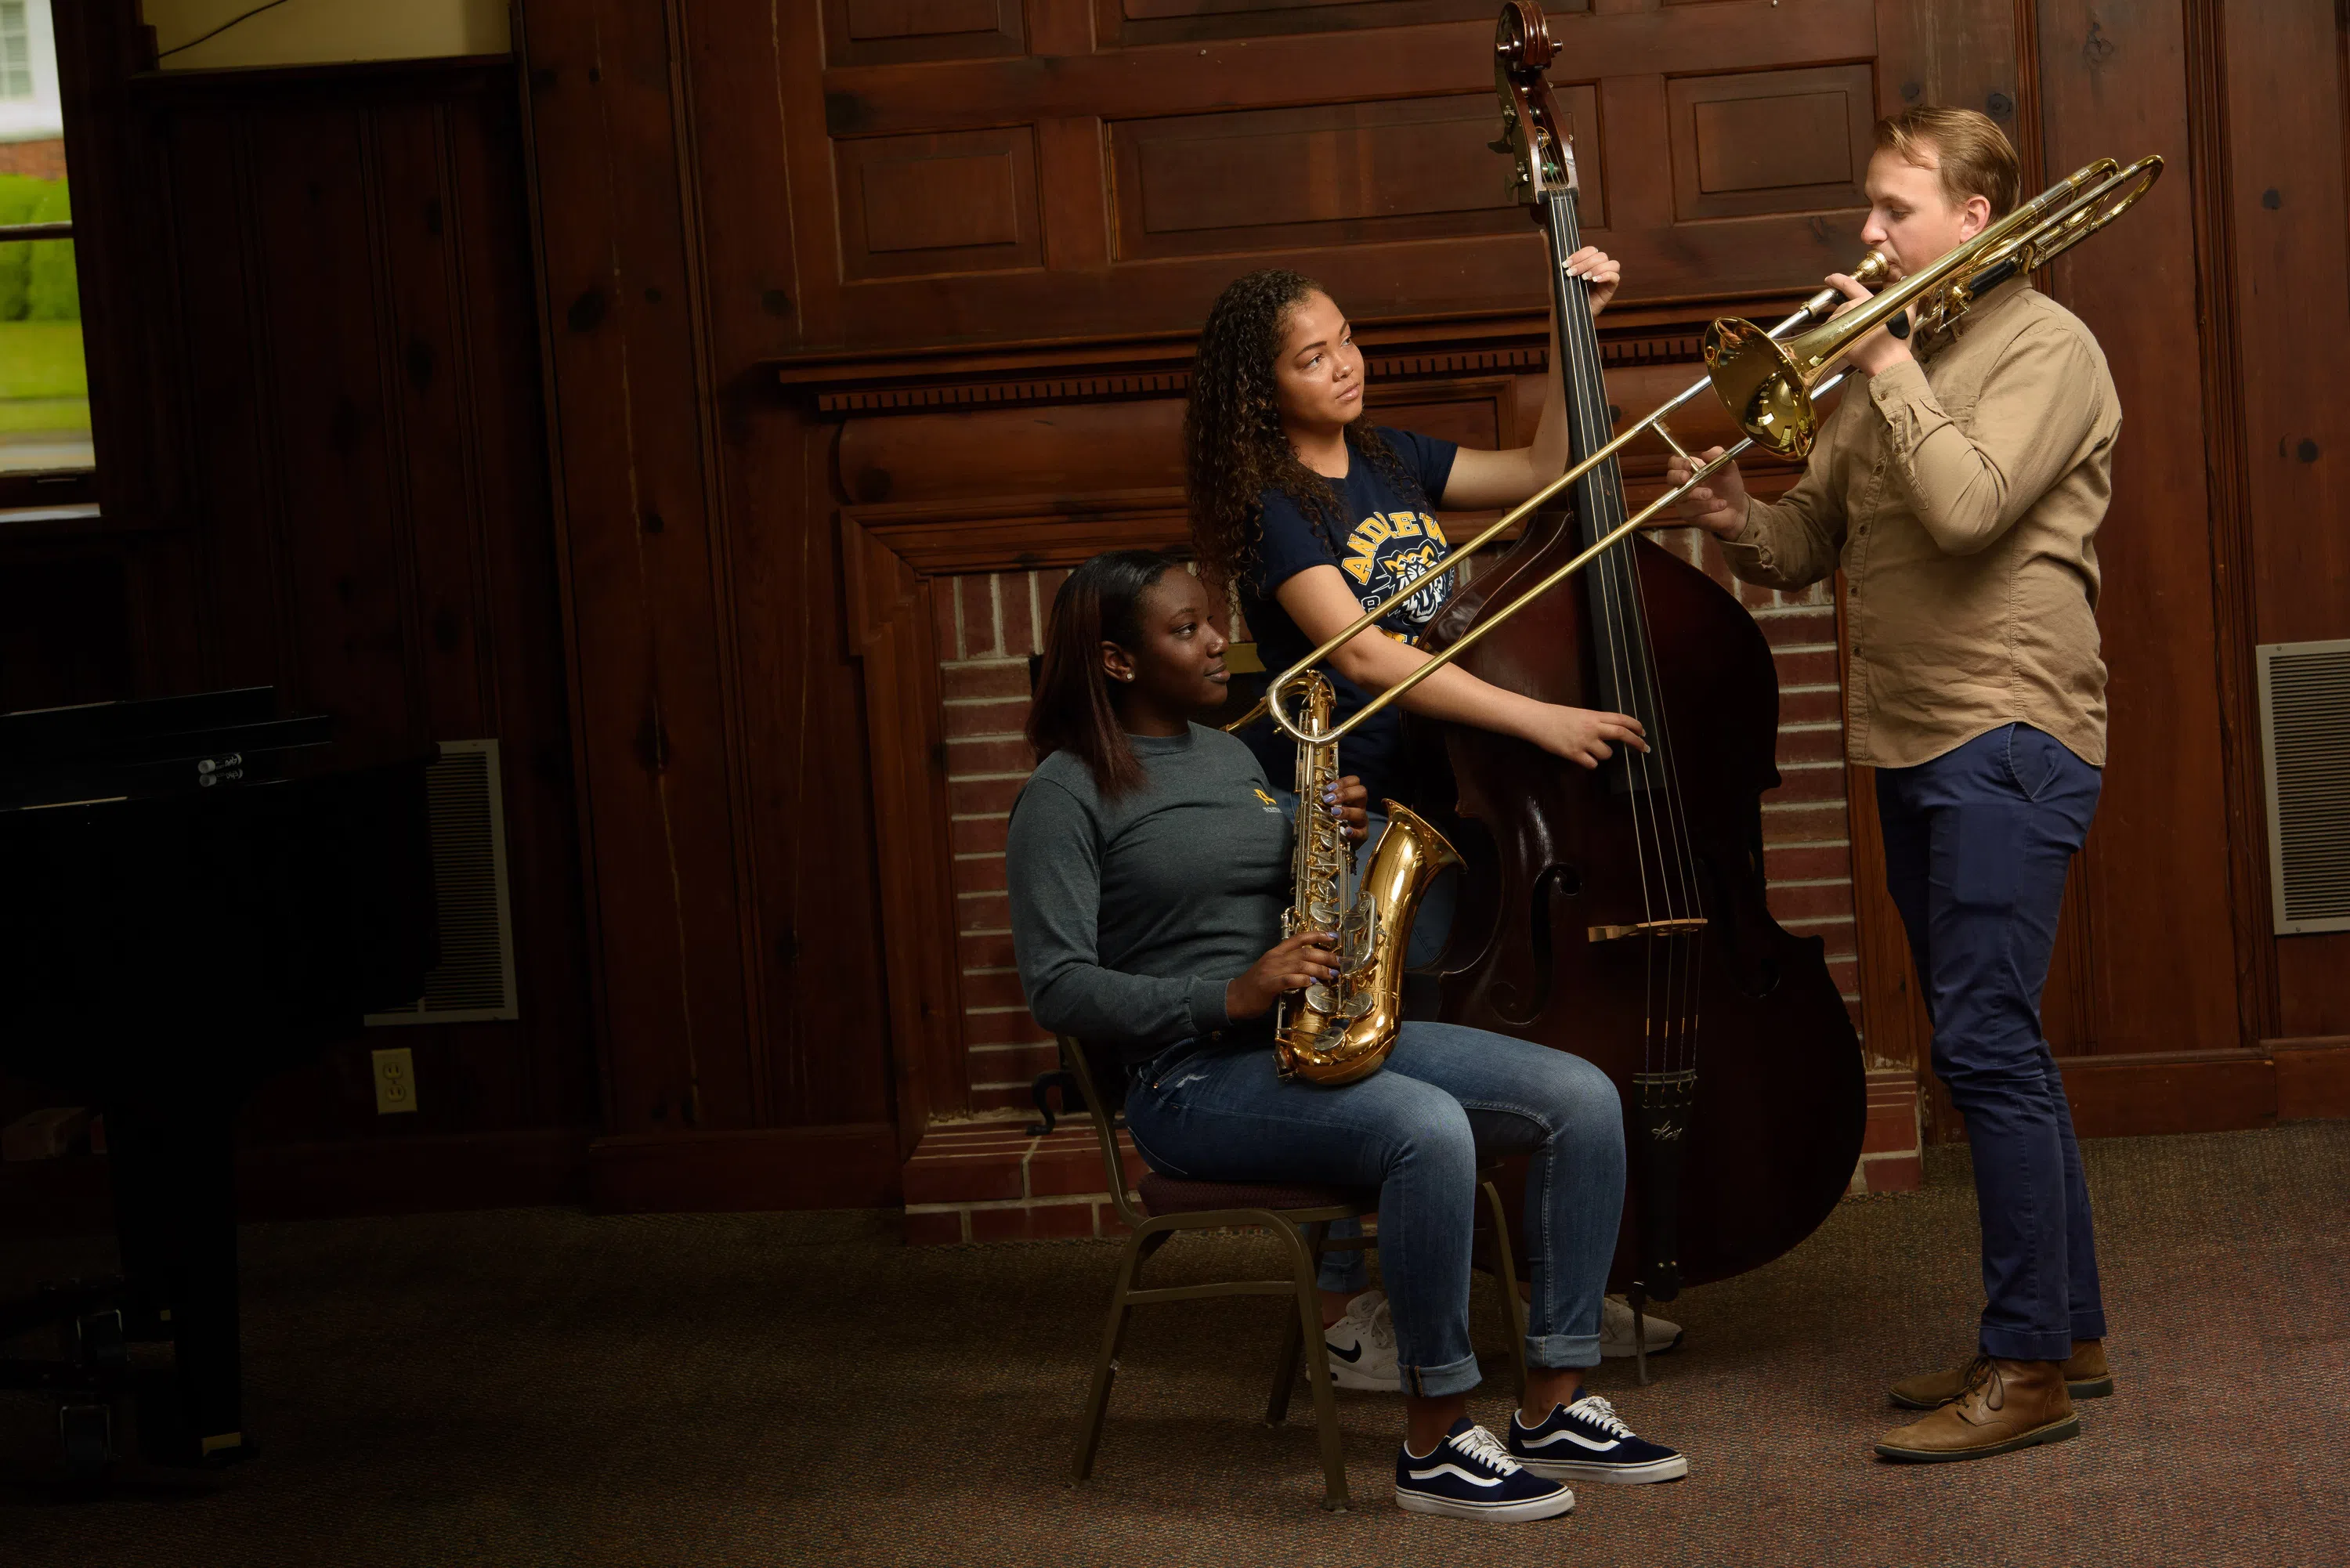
[200, 893]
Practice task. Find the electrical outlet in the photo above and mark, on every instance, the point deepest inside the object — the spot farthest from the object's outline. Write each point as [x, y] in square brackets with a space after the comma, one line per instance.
[395, 1081]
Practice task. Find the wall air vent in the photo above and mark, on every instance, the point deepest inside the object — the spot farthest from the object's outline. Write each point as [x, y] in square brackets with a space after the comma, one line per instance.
[474, 981]
[2306, 731]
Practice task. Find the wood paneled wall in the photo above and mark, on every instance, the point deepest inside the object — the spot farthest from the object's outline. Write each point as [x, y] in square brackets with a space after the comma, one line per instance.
[662, 402]
[323, 467]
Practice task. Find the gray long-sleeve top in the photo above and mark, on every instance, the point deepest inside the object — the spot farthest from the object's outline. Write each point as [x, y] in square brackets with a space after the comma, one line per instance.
[1129, 915]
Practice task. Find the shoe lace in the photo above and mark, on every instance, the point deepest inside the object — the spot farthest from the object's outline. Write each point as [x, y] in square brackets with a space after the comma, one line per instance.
[1381, 1332]
[1600, 1414]
[1482, 1446]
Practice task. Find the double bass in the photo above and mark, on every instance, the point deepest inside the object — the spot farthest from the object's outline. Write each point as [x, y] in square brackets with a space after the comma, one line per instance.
[1620, 913]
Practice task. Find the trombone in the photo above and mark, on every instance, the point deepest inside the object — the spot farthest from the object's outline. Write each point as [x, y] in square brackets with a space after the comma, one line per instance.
[1770, 388]
[1767, 384]
[1873, 270]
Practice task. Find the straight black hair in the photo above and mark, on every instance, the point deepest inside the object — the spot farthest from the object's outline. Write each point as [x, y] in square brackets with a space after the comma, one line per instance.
[1073, 711]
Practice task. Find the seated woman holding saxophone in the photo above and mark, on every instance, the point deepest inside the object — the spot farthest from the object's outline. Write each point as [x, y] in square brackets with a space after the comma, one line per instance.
[1148, 868]
[1313, 514]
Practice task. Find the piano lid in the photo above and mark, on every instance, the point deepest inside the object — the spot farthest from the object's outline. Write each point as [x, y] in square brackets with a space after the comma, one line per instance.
[161, 745]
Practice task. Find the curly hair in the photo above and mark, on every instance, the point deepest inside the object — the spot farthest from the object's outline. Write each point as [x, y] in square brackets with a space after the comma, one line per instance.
[1234, 451]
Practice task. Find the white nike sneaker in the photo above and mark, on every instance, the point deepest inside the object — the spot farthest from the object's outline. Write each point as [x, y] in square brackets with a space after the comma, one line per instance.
[1616, 1329]
[1362, 1345]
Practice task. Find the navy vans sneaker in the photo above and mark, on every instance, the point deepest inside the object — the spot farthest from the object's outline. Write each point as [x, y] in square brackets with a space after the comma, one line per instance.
[1470, 1475]
[1587, 1441]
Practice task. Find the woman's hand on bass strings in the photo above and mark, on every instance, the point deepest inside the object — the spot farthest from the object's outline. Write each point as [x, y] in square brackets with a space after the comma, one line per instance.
[1348, 801]
[1301, 960]
[1600, 273]
[1580, 735]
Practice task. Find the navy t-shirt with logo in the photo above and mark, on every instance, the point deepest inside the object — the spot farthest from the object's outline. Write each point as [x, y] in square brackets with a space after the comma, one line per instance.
[1390, 537]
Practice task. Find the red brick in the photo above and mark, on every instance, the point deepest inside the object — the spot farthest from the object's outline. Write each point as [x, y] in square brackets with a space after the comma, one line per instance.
[982, 797]
[1811, 746]
[1003, 717]
[995, 680]
[1007, 1098]
[1891, 1129]
[997, 989]
[1852, 1011]
[1806, 824]
[1755, 596]
[1044, 1222]
[1022, 633]
[1106, 1217]
[976, 1138]
[966, 757]
[963, 1178]
[984, 875]
[943, 621]
[1796, 628]
[987, 912]
[1013, 1063]
[1002, 1029]
[1821, 707]
[978, 834]
[978, 616]
[1894, 1173]
[931, 1229]
[1806, 864]
[1807, 785]
[1815, 669]
[1067, 1173]
[1811, 903]
[983, 953]
[1846, 973]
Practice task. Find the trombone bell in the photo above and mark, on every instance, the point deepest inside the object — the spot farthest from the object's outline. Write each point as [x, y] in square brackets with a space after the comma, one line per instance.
[1759, 383]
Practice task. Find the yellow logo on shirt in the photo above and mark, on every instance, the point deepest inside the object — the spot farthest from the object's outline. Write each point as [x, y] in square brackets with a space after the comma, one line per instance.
[1362, 559]
[1270, 802]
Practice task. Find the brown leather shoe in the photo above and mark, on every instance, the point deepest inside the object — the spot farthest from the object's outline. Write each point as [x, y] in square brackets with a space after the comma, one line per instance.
[2007, 1405]
[2086, 1377]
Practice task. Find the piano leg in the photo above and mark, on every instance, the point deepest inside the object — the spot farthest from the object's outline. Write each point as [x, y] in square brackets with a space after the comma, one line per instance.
[175, 1214]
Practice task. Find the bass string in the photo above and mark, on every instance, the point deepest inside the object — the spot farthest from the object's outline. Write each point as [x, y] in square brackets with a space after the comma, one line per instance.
[1622, 604]
[1597, 503]
[1601, 501]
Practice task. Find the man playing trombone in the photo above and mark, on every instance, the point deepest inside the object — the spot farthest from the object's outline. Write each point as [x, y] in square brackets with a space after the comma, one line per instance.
[1960, 489]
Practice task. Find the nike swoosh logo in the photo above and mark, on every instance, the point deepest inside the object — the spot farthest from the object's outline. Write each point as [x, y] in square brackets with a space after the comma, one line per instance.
[1457, 1470]
[1563, 1436]
[1349, 1355]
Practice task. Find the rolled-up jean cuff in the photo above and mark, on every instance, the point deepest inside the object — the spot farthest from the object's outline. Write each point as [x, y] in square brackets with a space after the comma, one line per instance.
[2009, 1345]
[1435, 1382]
[2088, 1325]
[1558, 1350]
[1350, 1272]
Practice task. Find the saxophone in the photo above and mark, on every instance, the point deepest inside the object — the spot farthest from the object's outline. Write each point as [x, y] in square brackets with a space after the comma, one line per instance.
[1335, 1032]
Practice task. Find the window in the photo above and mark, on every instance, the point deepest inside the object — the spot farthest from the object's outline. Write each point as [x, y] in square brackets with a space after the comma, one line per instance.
[16, 51]
[45, 439]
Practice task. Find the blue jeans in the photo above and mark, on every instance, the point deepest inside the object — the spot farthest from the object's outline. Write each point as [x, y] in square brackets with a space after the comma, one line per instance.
[1976, 846]
[1432, 924]
[1416, 1130]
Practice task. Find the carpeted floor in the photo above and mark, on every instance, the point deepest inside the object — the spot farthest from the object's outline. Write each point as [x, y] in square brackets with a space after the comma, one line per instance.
[545, 1388]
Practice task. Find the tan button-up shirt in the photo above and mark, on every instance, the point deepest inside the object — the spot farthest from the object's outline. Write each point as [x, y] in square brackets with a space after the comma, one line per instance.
[1961, 499]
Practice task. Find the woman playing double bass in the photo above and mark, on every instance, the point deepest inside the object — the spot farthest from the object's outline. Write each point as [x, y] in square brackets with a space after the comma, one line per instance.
[1313, 515]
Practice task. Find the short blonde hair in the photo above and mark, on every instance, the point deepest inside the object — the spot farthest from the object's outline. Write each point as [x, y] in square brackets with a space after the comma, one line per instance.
[1973, 156]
